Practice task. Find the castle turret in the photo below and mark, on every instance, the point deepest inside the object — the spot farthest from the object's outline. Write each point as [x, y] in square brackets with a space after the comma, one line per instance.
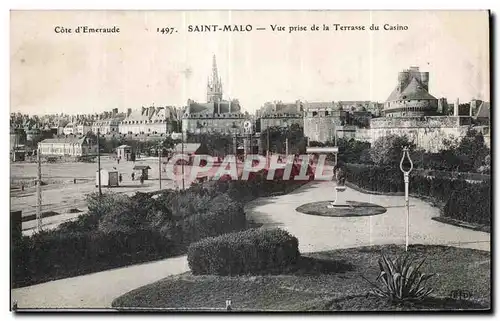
[424, 77]
[411, 96]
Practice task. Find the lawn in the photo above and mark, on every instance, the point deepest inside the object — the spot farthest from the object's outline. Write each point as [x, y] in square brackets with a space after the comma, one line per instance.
[324, 281]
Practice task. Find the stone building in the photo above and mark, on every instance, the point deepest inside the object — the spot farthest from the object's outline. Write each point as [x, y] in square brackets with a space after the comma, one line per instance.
[149, 120]
[83, 127]
[107, 122]
[322, 120]
[411, 96]
[279, 114]
[216, 115]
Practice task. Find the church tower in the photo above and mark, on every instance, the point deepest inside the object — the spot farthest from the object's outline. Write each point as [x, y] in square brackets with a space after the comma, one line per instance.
[214, 85]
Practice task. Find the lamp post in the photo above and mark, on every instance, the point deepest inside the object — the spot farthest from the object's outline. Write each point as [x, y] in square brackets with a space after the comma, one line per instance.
[406, 175]
[286, 139]
[159, 164]
[39, 190]
[99, 162]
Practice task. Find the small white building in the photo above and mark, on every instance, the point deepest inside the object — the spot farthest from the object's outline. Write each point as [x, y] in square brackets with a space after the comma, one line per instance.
[124, 152]
[108, 178]
[67, 146]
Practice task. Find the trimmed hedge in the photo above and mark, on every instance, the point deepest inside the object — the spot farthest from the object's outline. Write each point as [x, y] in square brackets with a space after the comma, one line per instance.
[470, 202]
[52, 255]
[250, 251]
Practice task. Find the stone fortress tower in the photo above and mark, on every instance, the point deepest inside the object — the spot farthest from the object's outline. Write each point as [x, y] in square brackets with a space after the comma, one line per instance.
[411, 96]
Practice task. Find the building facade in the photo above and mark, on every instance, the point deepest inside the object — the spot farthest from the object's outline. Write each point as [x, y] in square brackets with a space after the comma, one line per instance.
[149, 120]
[82, 128]
[322, 120]
[279, 114]
[68, 146]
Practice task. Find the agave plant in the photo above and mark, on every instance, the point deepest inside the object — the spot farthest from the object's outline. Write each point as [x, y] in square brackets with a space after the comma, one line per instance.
[401, 279]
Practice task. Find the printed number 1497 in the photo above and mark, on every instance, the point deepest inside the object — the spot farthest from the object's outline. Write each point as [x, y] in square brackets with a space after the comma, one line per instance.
[167, 30]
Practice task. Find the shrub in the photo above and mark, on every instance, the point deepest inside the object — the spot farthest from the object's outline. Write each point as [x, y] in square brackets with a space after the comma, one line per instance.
[471, 203]
[401, 280]
[53, 254]
[223, 215]
[388, 150]
[250, 251]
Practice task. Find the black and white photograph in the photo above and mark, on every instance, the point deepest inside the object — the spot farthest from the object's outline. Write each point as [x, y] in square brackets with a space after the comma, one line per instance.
[250, 161]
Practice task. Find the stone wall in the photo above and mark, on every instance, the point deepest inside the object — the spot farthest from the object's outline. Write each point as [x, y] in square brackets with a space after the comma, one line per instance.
[426, 132]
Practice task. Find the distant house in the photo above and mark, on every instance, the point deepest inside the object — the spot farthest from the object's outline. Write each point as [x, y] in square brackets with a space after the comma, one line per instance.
[68, 146]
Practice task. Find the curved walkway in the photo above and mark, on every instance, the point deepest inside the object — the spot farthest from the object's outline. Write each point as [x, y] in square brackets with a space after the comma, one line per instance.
[97, 290]
[317, 233]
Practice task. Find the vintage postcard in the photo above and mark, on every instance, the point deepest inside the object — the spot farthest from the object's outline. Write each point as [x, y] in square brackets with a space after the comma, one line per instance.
[250, 161]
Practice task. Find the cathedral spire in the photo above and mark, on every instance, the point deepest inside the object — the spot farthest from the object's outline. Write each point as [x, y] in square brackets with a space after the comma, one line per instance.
[214, 85]
[215, 74]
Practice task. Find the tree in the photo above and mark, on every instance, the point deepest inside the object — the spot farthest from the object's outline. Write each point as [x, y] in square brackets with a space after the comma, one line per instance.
[472, 151]
[388, 150]
[277, 138]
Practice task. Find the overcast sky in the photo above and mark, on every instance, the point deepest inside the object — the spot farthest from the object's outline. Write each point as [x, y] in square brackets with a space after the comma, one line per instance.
[85, 73]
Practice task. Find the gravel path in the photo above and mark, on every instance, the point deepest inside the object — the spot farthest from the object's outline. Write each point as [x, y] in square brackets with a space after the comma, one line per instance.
[316, 233]
[97, 290]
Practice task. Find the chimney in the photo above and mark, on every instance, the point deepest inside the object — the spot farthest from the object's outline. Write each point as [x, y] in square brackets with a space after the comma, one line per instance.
[455, 110]
[115, 111]
[129, 111]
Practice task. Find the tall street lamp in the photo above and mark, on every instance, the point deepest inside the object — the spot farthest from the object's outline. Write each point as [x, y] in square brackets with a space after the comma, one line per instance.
[159, 163]
[406, 175]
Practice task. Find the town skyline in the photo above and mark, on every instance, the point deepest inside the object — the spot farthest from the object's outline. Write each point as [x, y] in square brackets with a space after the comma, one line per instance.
[53, 73]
